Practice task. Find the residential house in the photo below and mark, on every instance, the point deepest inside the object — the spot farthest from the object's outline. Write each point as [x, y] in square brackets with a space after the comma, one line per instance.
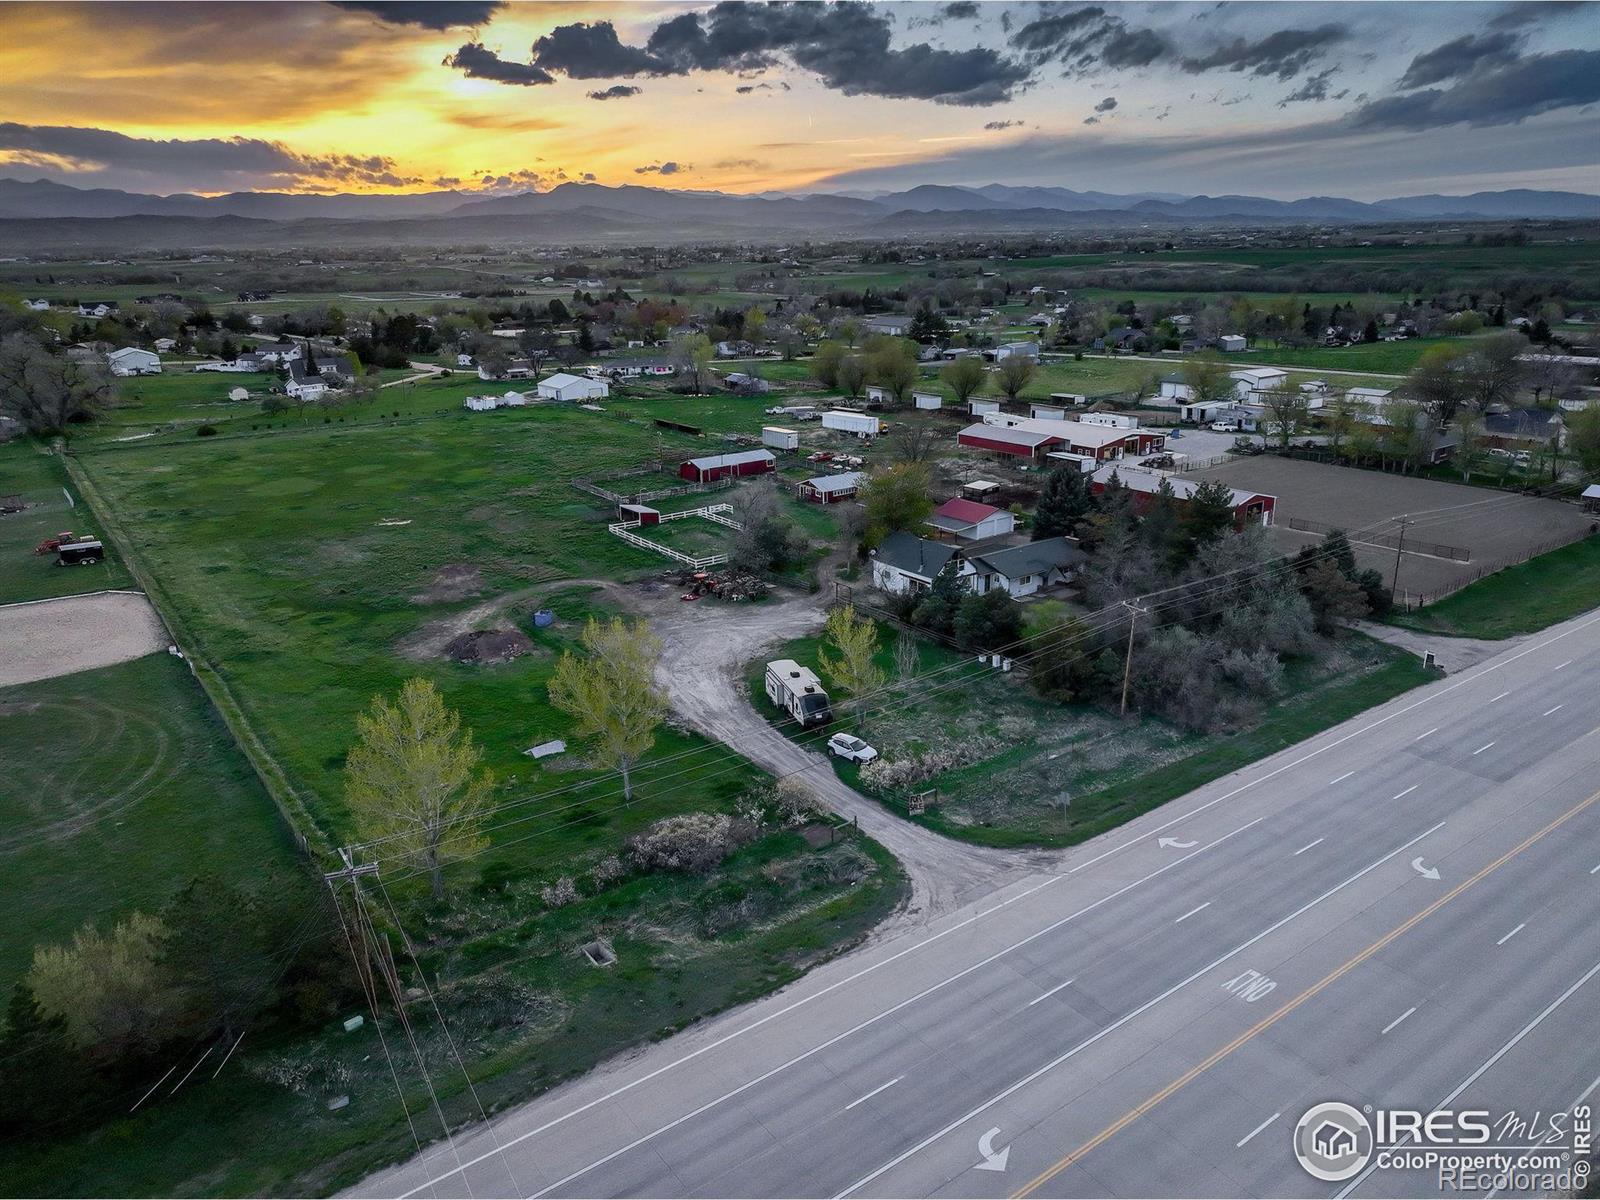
[906, 564]
[712, 467]
[165, 345]
[1124, 337]
[1249, 508]
[304, 384]
[830, 489]
[278, 353]
[1232, 343]
[562, 386]
[970, 521]
[515, 368]
[1532, 429]
[130, 360]
[1027, 568]
[36, 305]
[97, 308]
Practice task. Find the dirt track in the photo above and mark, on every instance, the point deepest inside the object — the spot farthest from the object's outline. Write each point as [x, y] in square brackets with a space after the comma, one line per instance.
[47, 638]
[706, 648]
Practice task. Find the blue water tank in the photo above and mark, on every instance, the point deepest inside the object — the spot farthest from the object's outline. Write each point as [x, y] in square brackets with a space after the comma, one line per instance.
[544, 618]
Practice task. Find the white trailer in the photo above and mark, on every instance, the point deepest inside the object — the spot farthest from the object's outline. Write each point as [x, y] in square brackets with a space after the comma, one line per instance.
[927, 401]
[779, 438]
[860, 424]
[798, 691]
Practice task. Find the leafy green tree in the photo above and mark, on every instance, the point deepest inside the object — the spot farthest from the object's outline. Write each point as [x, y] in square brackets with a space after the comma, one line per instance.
[936, 610]
[612, 693]
[1015, 374]
[963, 377]
[852, 664]
[43, 1079]
[825, 363]
[895, 371]
[988, 621]
[895, 498]
[852, 376]
[1059, 651]
[413, 779]
[107, 988]
[1208, 378]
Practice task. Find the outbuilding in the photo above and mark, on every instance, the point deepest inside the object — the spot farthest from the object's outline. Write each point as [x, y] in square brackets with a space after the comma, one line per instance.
[779, 438]
[830, 489]
[1249, 508]
[969, 521]
[131, 360]
[927, 401]
[562, 386]
[1231, 343]
[845, 421]
[998, 439]
[713, 467]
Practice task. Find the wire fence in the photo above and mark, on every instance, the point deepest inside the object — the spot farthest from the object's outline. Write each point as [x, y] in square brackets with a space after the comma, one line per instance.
[1389, 541]
[1411, 601]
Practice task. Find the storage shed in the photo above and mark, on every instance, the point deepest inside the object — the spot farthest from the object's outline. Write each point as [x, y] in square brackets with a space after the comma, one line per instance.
[712, 467]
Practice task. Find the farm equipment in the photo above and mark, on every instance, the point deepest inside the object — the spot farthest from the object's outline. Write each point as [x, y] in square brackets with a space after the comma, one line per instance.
[10, 505]
[726, 585]
[51, 544]
[83, 553]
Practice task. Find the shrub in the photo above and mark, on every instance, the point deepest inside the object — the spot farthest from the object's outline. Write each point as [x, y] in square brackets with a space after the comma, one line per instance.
[694, 842]
[206, 431]
[608, 870]
[796, 803]
[562, 892]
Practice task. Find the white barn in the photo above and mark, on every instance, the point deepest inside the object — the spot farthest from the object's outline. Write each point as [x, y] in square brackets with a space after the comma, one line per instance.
[562, 386]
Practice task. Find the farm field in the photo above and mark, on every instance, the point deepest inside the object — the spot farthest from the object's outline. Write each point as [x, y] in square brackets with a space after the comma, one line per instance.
[26, 471]
[1522, 599]
[117, 786]
[1039, 773]
[315, 569]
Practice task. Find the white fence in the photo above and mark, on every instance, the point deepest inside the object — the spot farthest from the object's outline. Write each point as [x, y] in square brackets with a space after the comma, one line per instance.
[715, 513]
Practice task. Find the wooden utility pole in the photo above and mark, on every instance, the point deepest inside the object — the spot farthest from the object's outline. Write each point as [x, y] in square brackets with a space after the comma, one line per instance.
[1399, 549]
[1127, 663]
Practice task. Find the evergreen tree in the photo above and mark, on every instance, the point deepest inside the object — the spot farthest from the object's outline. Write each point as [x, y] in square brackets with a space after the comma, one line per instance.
[1063, 505]
[936, 611]
[1210, 512]
[42, 1078]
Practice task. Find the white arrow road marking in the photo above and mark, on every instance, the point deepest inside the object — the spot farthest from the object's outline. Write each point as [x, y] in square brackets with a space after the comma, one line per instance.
[1425, 872]
[1047, 995]
[1400, 1018]
[1306, 847]
[992, 1160]
[1175, 844]
[1257, 1130]
[882, 1087]
[1512, 934]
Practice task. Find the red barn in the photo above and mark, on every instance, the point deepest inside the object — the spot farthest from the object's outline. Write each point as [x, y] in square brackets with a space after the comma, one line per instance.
[1249, 508]
[726, 466]
[997, 439]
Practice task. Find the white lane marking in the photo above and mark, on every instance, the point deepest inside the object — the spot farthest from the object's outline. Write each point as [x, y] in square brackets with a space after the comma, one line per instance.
[1306, 847]
[1341, 778]
[1430, 733]
[1512, 934]
[1558, 666]
[1442, 690]
[1257, 1130]
[1192, 912]
[1481, 749]
[882, 1087]
[1408, 791]
[1594, 869]
[1398, 1019]
[1039, 1072]
[1487, 1063]
[1548, 711]
[1047, 995]
[1501, 696]
[839, 1037]
[229, 1054]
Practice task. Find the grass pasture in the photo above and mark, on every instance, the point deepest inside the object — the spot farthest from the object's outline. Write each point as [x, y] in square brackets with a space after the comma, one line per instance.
[26, 471]
[1521, 599]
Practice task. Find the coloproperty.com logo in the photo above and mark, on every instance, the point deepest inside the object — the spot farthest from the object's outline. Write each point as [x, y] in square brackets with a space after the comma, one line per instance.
[1466, 1150]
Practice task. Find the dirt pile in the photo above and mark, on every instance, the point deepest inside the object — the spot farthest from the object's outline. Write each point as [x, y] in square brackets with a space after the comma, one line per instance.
[483, 647]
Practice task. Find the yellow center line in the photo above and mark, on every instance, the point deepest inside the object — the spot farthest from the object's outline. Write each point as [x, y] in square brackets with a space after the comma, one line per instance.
[1132, 1115]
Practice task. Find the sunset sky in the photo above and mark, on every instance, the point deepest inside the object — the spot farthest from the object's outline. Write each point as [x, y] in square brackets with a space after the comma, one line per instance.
[1364, 100]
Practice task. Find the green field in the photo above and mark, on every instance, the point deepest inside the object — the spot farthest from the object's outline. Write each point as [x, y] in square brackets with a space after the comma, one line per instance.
[116, 787]
[38, 478]
[1522, 599]
[1045, 774]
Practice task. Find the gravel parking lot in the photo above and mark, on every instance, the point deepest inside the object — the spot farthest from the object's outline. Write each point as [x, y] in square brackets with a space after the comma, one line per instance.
[46, 638]
[1496, 528]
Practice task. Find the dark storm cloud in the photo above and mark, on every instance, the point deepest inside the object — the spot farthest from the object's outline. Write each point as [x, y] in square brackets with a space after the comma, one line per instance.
[1106, 105]
[620, 91]
[1314, 88]
[478, 62]
[1284, 54]
[89, 150]
[1506, 95]
[1460, 56]
[445, 14]
[845, 45]
[962, 10]
[1529, 12]
[1133, 48]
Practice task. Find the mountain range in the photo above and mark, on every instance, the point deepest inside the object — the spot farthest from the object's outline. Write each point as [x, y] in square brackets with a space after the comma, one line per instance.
[59, 213]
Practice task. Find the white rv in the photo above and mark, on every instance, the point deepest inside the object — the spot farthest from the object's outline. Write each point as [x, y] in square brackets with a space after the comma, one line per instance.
[798, 691]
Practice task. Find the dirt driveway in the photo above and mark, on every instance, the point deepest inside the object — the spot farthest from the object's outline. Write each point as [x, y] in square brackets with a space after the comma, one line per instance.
[46, 638]
[706, 648]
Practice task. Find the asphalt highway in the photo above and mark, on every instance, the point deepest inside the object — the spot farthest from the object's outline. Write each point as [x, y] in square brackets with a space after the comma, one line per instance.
[1398, 913]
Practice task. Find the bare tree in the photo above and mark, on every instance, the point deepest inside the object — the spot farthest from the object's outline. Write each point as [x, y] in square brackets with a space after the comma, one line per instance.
[47, 392]
[1016, 371]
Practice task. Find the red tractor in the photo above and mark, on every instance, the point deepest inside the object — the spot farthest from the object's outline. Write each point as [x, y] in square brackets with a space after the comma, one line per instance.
[52, 544]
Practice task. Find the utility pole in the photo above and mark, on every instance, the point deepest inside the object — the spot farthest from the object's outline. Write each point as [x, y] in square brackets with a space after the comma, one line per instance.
[1134, 612]
[1399, 549]
[353, 871]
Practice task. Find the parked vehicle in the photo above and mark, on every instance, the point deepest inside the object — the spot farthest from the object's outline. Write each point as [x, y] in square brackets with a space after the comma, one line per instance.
[1224, 427]
[846, 746]
[798, 691]
[79, 554]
